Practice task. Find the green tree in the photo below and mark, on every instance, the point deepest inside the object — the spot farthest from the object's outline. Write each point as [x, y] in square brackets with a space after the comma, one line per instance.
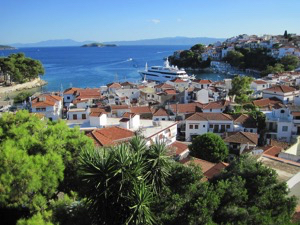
[198, 48]
[20, 68]
[234, 58]
[277, 68]
[210, 147]
[250, 193]
[22, 96]
[35, 155]
[117, 182]
[241, 88]
[290, 62]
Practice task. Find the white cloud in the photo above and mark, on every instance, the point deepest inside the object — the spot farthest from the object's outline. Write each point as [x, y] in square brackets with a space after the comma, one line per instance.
[179, 20]
[156, 21]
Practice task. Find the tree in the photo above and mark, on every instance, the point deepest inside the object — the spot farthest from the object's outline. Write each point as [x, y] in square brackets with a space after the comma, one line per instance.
[234, 58]
[277, 68]
[118, 185]
[290, 62]
[210, 147]
[198, 48]
[241, 88]
[20, 68]
[35, 155]
[22, 96]
[250, 193]
[285, 35]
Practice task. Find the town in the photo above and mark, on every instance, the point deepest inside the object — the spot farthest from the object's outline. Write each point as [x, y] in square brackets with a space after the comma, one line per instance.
[256, 116]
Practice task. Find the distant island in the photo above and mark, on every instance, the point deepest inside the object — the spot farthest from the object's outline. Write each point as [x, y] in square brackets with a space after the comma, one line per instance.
[99, 45]
[6, 47]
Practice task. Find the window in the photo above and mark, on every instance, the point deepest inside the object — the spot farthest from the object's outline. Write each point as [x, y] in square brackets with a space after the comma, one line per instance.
[282, 111]
[132, 92]
[203, 125]
[285, 128]
[83, 116]
[74, 116]
[263, 85]
[191, 127]
[196, 126]
[210, 110]
[68, 98]
[163, 119]
[227, 126]
[251, 130]
[211, 126]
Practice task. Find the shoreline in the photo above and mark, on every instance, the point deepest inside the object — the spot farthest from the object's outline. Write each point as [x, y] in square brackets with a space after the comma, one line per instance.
[38, 82]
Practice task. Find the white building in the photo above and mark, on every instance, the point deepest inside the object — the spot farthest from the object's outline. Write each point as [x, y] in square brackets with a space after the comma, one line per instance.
[201, 123]
[48, 105]
[284, 93]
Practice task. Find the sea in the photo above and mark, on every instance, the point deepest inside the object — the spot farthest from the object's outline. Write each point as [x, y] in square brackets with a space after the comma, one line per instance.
[93, 67]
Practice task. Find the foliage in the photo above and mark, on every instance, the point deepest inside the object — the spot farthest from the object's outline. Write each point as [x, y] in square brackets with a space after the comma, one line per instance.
[22, 96]
[36, 219]
[251, 194]
[234, 58]
[35, 155]
[241, 88]
[277, 68]
[198, 48]
[20, 68]
[121, 181]
[290, 62]
[210, 147]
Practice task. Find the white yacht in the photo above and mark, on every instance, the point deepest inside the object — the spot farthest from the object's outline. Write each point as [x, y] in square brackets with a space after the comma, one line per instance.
[164, 73]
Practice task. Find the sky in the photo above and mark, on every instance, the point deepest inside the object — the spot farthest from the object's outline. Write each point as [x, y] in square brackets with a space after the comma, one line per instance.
[29, 21]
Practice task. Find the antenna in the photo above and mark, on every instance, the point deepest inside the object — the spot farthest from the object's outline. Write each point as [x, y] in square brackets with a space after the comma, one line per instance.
[146, 67]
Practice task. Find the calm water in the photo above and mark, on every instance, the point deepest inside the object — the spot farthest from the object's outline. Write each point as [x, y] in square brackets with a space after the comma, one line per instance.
[93, 67]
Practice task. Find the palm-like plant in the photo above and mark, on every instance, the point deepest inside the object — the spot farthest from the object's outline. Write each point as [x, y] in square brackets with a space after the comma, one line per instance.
[120, 182]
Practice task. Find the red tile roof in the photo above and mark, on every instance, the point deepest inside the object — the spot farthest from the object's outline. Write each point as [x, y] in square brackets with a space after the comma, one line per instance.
[110, 135]
[116, 107]
[281, 89]
[179, 147]
[177, 80]
[210, 116]
[245, 120]
[45, 100]
[272, 150]
[163, 86]
[71, 91]
[267, 102]
[186, 108]
[89, 93]
[161, 112]
[203, 81]
[114, 85]
[242, 138]
[170, 92]
[205, 165]
[141, 109]
[215, 170]
[260, 82]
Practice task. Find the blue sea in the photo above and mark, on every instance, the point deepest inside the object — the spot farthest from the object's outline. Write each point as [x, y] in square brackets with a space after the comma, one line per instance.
[93, 67]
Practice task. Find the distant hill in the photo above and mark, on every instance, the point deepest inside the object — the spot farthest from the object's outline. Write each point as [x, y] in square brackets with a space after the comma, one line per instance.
[170, 41]
[98, 45]
[157, 41]
[52, 43]
[6, 47]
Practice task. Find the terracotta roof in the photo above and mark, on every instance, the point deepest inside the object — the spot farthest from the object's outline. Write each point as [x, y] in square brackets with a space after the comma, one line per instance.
[128, 115]
[177, 80]
[161, 112]
[71, 91]
[205, 165]
[141, 109]
[116, 107]
[281, 89]
[203, 81]
[272, 150]
[245, 120]
[75, 101]
[163, 86]
[96, 112]
[88, 93]
[110, 135]
[127, 83]
[266, 102]
[179, 147]
[215, 170]
[260, 82]
[242, 138]
[45, 100]
[114, 85]
[296, 113]
[216, 105]
[280, 144]
[186, 108]
[210, 116]
[170, 92]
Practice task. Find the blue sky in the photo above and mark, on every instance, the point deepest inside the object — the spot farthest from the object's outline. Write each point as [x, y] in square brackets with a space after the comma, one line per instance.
[26, 21]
